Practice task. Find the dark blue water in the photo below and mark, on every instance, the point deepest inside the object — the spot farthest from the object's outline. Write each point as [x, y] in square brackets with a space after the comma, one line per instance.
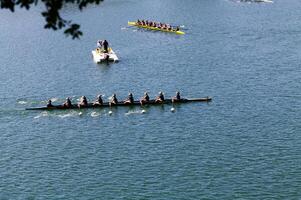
[246, 144]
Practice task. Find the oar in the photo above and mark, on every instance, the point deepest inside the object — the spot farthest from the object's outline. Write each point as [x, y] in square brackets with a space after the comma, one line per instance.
[182, 27]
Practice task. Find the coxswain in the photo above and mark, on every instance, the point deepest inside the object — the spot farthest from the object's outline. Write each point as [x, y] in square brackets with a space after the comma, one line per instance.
[177, 97]
[49, 103]
[98, 101]
[67, 103]
[144, 99]
[83, 102]
[105, 46]
[129, 100]
[160, 98]
[114, 100]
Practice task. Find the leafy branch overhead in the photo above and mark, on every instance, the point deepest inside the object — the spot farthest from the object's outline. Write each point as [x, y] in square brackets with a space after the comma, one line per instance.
[52, 13]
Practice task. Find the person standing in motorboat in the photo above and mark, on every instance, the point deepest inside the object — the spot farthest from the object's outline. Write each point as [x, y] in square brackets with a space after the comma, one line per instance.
[105, 45]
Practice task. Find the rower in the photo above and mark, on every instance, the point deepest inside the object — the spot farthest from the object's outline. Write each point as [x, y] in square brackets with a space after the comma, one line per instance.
[49, 103]
[98, 101]
[176, 98]
[144, 99]
[83, 102]
[129, 100]
[177, 29]
[105, 46]
[114, 100]
[67, 103]
[160, 98]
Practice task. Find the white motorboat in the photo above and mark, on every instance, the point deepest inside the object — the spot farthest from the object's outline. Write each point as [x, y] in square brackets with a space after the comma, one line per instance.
[100, 56]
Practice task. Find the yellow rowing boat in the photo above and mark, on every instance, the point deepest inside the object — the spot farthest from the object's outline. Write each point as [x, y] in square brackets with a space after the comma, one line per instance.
[155, 28]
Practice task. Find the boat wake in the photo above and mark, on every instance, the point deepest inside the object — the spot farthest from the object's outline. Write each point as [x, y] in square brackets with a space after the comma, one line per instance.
[71, 114]
[42, 114]
[62, 116]
[95, 114]
[54, 99]
[22, 102]
[135, 112]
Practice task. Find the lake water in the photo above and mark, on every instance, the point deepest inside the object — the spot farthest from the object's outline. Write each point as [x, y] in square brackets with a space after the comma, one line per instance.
[245, 144]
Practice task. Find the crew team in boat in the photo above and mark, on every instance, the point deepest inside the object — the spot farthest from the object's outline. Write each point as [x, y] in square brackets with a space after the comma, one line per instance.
[83, 102]
[157, 25]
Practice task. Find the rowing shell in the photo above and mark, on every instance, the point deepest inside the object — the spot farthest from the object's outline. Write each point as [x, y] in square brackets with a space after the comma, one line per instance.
[136, 103]
[155, 28]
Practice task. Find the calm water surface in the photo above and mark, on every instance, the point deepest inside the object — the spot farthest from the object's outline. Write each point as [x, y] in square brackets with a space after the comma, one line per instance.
[246, 144]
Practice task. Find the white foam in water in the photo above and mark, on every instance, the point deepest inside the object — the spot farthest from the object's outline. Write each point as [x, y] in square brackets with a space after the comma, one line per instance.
[71, 114]
[54, 99]
[22, 102]
[42, 114]
[133, 112]
[95, 114]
